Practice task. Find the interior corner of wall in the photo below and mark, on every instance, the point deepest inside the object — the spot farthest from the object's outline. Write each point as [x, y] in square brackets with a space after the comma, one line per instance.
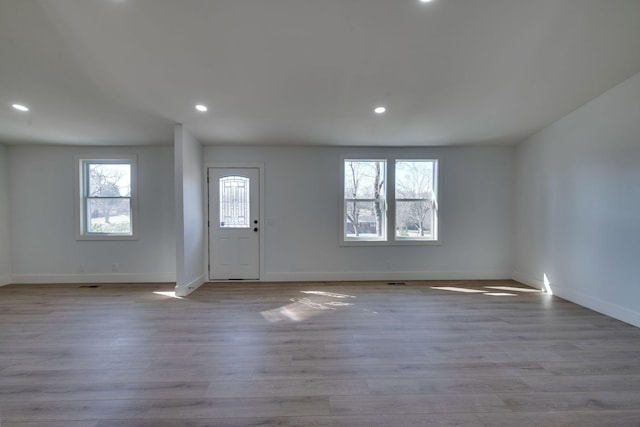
[527, 280]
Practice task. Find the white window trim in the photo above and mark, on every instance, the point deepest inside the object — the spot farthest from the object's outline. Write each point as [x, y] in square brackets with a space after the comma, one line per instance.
[435, 187]
[390, 203]
[356, 240]
[80, 205]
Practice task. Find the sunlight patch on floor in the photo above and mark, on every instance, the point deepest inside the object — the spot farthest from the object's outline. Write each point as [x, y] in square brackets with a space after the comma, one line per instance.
[293, 312]
[339, 304]
[455, 289]
[327, 294]
[304, 308]
[298, 310]
[487, 291]
[512, 289]
[547, 284]
[170, 294]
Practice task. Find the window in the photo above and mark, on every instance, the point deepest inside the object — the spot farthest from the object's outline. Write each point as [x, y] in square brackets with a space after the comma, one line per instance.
[398, 207]
[416, 202]
[107, 198]
[364, 199]
[234, 202]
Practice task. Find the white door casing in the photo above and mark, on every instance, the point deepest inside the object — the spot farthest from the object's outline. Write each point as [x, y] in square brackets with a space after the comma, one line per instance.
[234, 223]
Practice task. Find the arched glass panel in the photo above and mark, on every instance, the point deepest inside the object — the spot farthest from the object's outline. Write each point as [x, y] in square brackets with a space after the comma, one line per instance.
[234, 202]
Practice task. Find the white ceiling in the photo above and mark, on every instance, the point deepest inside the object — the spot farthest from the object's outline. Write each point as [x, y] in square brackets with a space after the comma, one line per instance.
[302, 72]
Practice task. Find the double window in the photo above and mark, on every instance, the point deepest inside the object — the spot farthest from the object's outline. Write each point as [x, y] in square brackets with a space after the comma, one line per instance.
[107, 191]
[390, 200]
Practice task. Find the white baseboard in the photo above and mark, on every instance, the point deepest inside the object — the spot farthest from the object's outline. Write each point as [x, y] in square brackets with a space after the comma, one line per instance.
[5, 280]
[384, 275]
[182, 290]
[596, 304]
[94, 278]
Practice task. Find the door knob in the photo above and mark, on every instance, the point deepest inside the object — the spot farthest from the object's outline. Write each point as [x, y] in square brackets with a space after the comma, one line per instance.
[255, 229]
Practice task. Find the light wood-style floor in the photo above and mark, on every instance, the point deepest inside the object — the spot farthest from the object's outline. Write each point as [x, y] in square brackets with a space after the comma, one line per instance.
[312, 354]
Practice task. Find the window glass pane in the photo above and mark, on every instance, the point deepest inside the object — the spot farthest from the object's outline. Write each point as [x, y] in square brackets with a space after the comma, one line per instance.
[107, 201]
[365, 220]
[234, 202]
[109, 180]
[414, 179]
[414, 219]
[414, 208]
[109, 215]
[364, 179]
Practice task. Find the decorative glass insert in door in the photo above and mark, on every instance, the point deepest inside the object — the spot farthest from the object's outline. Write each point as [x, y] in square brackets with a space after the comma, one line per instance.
[234, 202]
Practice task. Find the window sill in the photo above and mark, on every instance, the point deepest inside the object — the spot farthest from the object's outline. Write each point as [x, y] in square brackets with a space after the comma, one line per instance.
[390, 243]
[107, 237]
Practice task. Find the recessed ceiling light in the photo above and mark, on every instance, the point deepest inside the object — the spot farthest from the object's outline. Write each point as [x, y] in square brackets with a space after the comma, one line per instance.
[426, 1]
[380, 109]
[201, 108]
[20, 107]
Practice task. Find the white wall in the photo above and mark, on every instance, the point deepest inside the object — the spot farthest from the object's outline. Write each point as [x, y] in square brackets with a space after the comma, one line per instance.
[190, 214]
[43, 245]
[577, 216]
[302, 215]
[5, 235]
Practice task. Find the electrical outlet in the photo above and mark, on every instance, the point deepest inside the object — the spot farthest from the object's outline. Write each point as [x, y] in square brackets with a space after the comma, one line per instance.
[114, 266]
[82, 268]
[387, 265]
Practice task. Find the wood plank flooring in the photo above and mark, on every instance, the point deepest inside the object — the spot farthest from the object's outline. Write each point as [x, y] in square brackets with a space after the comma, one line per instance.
[474, 353]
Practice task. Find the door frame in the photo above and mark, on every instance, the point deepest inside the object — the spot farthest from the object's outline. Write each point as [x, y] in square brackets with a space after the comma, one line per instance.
[260, 167]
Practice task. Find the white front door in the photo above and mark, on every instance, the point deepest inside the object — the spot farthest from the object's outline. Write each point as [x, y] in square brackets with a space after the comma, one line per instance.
[234, 228]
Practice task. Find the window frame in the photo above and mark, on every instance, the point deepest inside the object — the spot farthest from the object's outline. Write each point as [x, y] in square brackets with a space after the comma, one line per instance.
[246, 202]
[390, 238]
[82, 183]
[382, 200]
[435, 223]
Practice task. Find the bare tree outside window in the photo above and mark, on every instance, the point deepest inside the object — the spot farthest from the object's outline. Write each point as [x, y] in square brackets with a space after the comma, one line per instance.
[108, 198]
[413, 202]
[416, 202]
[364, 199]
